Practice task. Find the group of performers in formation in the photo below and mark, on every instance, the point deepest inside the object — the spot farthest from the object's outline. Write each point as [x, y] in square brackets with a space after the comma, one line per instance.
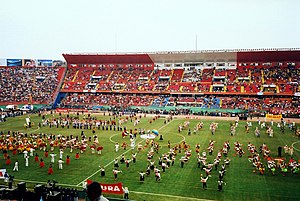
[28, 144]
[274, 164]
[14, 143]
[208, 167]
[24, 143]
[89, 122]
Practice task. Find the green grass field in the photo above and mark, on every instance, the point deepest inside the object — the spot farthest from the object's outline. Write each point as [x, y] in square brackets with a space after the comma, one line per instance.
[176, 183]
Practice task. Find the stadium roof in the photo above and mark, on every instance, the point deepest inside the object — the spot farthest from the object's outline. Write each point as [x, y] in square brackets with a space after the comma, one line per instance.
[193, 57]
[237, 55]
[108, 58]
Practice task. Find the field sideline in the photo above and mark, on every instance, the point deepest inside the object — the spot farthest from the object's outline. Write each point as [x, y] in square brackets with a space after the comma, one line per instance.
[177, 183]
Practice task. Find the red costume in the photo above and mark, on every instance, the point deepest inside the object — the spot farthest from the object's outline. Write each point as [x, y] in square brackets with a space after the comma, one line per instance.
[50, 170]
[68, 160]
[8, 161]
[36, 158]
[42, 164]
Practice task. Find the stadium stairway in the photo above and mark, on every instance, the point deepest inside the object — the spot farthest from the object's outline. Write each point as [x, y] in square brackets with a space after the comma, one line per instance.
[61, 76]
[182, 75]
[216, 103]
[156, 102]
[58, 99]
[165, 102]
[61, 73]
[74, 78]
[242, 89]
[262, 76]
[108, 78]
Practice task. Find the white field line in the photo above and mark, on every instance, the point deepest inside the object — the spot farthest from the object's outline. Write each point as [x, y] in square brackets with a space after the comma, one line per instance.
[113, 136]
[295, 147]
[183, 139]
[116, 157]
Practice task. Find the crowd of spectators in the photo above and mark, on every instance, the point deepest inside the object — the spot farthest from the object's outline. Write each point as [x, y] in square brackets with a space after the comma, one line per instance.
[192, 75]
[241, 79]
[28, 84]
[95, 99]
[38, 85]
[272, 105]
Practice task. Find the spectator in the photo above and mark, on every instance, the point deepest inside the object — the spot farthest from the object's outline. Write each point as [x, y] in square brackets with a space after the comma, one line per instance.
[94, 192]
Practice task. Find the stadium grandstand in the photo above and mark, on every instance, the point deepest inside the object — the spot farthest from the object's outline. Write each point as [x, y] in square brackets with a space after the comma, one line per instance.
[265, 80]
